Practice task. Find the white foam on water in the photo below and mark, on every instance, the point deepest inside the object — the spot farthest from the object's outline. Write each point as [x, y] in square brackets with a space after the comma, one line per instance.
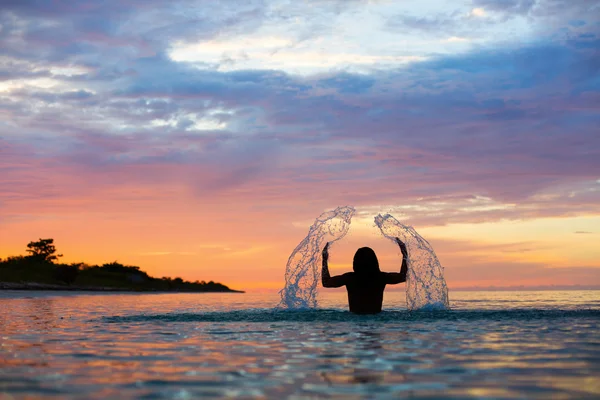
[303, 270]
[426, 287]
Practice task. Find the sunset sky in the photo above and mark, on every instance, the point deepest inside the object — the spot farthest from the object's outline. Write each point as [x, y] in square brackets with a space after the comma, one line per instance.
[201, 139]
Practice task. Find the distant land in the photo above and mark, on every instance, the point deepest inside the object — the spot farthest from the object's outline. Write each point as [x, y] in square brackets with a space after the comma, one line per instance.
[40, 271]
[525, 288]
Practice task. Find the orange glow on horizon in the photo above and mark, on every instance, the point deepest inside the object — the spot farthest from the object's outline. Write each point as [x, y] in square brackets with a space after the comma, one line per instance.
[203, 247]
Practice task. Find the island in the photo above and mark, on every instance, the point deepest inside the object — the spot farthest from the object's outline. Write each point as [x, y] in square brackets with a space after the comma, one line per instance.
[40, 270]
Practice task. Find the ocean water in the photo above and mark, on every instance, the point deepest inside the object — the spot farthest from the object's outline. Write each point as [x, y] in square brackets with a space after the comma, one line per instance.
[501, 345]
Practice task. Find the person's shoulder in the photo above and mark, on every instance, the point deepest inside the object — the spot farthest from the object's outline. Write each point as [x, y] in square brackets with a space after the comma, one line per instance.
[348, 278]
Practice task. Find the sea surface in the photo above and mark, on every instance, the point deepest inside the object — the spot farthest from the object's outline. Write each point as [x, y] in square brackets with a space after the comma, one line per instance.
[501, 345]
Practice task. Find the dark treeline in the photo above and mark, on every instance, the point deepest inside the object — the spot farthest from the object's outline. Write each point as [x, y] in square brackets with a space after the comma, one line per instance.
[41, 266]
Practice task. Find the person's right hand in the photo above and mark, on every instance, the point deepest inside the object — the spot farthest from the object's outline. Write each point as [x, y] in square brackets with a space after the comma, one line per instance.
[326, 252]
[402, 247]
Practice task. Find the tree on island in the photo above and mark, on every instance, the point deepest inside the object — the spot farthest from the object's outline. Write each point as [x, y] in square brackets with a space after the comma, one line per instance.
[43, 249]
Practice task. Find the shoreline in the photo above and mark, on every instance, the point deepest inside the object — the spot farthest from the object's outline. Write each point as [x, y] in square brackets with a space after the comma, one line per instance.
[47, 286]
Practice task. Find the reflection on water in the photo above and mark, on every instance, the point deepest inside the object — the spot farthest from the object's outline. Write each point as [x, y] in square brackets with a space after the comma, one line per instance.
[40, 312]
[492, 345]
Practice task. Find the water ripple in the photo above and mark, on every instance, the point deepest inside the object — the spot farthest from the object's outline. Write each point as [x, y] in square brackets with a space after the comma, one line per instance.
[321, 315]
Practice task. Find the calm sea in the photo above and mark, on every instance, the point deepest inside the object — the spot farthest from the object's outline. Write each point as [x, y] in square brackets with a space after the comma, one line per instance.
[183, 346]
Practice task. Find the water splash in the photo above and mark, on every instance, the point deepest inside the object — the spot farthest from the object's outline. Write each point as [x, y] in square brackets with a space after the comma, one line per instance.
[425, 284]
[426, 287]
[303, 270]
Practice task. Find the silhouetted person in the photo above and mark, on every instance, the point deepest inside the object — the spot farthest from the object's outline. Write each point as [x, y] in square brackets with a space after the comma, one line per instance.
[366, 284]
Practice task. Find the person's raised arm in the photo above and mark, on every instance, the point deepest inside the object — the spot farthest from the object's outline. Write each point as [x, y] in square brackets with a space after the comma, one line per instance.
[327, 280]
[395, 277]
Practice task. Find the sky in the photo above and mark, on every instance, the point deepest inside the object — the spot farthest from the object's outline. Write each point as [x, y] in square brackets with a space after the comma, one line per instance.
[201, 139]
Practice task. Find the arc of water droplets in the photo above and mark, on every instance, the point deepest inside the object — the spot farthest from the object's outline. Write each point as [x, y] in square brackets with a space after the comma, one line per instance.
[302, 273]
[425, 284]
[426, 287]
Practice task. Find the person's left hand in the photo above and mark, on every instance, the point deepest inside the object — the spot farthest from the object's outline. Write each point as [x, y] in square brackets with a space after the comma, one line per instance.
[402, 247]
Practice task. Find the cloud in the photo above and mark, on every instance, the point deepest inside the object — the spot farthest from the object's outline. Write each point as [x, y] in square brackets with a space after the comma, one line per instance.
[478, 12]
[506, 123]
[506, 6]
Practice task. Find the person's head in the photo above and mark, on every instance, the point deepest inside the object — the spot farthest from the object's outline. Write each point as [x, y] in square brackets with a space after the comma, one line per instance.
[365, 262]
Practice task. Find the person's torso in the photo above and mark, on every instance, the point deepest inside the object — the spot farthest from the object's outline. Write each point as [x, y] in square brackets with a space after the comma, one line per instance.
[365, 293]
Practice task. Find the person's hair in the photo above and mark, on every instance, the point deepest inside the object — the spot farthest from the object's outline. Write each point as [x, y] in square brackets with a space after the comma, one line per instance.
[365, 262]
